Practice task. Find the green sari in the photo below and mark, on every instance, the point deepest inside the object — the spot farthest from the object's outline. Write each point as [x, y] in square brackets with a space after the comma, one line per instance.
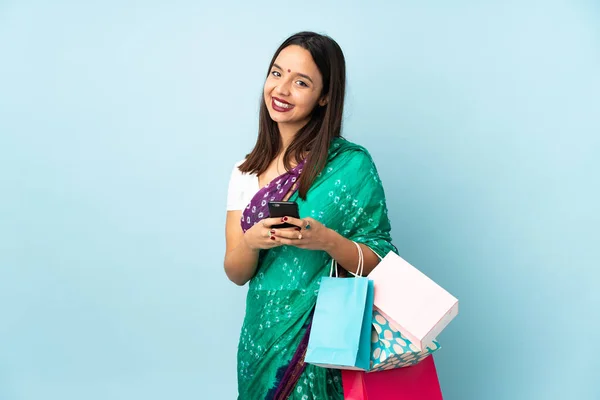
[347, 197]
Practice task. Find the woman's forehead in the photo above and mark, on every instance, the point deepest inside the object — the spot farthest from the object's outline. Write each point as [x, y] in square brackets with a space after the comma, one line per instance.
[297, 59]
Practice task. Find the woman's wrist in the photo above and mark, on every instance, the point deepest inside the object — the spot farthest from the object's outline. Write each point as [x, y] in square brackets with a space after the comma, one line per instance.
[332, 240]
[248, 246]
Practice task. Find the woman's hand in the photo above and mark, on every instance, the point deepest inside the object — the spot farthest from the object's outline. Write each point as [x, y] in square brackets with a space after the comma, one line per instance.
[262, 235]
[309, 234]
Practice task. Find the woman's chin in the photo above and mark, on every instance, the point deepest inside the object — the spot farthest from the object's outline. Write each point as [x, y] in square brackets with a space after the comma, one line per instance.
[277, 117]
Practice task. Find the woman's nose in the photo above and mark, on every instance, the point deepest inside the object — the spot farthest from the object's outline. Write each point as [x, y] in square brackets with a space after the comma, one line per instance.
[284, 87]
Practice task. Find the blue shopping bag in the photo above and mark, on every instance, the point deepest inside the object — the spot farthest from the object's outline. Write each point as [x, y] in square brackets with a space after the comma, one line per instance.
[341, 328]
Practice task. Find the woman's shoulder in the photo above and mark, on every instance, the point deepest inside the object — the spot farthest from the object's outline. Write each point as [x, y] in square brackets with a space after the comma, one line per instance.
[349, 152]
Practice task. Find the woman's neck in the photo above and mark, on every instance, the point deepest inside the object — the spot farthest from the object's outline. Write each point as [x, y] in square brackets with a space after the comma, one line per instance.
[288, 133]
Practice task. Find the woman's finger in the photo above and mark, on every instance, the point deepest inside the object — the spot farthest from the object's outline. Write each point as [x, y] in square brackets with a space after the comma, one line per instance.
[308, 223]
[294, 221]
[292, 233]
[291, 242]
[289, 229]
[269, 222]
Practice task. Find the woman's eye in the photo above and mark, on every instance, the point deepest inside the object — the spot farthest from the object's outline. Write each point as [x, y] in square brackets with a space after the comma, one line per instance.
[301, 83]
[276, 73]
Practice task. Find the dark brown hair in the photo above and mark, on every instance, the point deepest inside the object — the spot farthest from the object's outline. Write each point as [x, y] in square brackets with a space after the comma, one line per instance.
[324, 125]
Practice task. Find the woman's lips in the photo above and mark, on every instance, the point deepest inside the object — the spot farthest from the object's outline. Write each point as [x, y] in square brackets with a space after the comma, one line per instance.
[280, 105]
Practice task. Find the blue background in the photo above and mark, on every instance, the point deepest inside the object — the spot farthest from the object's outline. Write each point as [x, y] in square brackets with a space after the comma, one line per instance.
[119, 125]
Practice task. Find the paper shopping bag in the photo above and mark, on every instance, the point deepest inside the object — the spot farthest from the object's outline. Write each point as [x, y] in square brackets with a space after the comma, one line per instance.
[341, 326]
[419, 382]
[390, 349]
[413, 303]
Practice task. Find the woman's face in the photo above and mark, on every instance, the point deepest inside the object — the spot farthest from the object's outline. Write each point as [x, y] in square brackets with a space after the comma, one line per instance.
[293, 87]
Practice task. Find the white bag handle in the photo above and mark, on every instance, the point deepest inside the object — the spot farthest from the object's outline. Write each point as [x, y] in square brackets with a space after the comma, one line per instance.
[359, 269]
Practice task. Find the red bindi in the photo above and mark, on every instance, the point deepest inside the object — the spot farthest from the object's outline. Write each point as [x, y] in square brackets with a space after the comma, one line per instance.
[289, 70]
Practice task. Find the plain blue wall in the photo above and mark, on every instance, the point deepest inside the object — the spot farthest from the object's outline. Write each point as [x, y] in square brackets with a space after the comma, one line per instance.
[119, 125]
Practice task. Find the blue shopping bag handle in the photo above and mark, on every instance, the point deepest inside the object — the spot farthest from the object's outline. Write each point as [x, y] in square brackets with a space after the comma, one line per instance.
[361, 263]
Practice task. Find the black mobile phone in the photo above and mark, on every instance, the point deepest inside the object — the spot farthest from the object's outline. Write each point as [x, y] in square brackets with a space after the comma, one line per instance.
[278, 209]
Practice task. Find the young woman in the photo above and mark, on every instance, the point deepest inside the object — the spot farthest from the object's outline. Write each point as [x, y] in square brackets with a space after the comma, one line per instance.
[299, 156]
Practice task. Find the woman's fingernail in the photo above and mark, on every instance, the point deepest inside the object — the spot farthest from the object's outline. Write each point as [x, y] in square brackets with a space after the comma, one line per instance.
[272, 231]
[284, 219]
[272, 237]
[298, 229]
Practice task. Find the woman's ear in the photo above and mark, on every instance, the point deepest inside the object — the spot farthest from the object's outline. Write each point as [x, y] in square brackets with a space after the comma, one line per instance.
[323, 101]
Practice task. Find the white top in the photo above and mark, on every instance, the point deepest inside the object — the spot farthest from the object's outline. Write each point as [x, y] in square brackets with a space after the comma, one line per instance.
[242, 188]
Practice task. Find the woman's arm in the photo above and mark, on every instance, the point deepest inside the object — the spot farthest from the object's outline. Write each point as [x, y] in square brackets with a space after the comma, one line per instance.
[242, 249]
[344, 251]
[240, 259]
[319, 237]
